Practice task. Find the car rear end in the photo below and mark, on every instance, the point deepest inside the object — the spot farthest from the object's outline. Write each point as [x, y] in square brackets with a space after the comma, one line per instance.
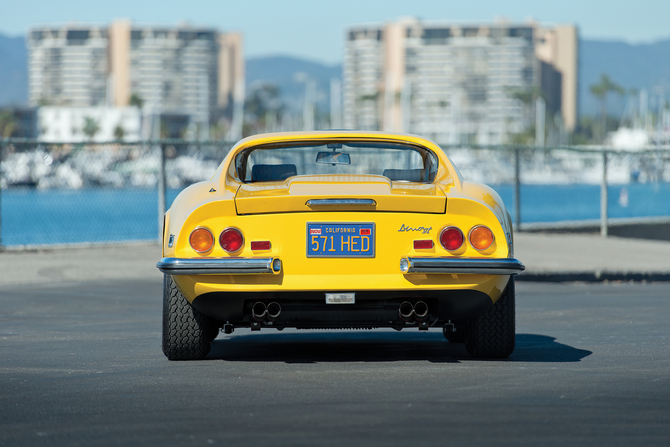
[292, 245]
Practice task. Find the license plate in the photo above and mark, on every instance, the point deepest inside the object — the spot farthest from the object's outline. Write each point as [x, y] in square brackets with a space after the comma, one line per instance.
[340, 240]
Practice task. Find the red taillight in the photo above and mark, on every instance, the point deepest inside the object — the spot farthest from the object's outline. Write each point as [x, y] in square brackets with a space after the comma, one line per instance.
[481, 237]
[422, 245]
[451, 238]
[201, 240]
[260, 245]
[231, 240]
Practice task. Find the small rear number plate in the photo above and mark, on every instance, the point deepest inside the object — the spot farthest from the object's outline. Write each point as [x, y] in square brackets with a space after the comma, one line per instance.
[340, 298]
[340, 240]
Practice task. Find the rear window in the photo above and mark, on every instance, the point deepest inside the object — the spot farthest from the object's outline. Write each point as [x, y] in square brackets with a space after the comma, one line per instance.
[398, 162]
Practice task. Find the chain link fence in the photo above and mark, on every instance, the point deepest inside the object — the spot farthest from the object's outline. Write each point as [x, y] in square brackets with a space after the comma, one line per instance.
[55, 194]
[572, 186]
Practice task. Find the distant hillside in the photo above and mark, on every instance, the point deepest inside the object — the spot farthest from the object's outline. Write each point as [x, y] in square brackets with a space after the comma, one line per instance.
[281, 71]
[639, 66]
[13, 71]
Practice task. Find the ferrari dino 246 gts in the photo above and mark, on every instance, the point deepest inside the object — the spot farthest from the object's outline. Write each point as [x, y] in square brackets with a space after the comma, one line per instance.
[338, 229]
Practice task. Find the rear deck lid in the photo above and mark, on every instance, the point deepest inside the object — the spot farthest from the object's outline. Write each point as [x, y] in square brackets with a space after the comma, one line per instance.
[323, 193]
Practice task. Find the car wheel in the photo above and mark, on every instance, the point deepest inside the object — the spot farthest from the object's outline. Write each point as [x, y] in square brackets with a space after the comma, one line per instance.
[454, 337]
[491, 334]
[187, 333]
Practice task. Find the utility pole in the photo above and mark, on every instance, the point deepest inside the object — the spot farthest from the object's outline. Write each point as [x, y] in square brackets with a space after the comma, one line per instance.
[603, 198]
[235, 132]
[335, 104]
[310, 95]
[540, 110]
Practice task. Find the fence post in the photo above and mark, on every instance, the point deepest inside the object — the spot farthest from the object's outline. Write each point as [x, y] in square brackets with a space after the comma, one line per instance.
[517, 189]
[161, 191]
[2, 154]
[603, 198]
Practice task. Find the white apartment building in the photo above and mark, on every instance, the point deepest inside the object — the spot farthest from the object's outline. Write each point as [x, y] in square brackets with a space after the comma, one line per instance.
[67, 66]
[174, 70]
[363, 73]
[457, 83]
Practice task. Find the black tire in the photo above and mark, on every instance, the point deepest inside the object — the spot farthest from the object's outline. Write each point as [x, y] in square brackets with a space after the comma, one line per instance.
[491, 334]
[187, 333]
[454, 337]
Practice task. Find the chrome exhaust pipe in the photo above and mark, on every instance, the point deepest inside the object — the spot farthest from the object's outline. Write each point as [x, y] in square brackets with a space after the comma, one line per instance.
[273, 310]
[406, 310]
[259, 310]
[420, 310]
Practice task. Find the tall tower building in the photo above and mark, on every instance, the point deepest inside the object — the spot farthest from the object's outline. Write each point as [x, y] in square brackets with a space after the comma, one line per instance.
[173, 70]
[363, 75]
[458, 83]
[67, 66]
[558, 51]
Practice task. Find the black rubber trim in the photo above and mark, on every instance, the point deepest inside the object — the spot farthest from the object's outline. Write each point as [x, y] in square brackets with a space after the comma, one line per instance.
[594, 276]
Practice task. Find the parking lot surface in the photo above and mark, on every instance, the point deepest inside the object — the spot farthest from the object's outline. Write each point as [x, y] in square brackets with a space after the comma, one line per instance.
[81, 364]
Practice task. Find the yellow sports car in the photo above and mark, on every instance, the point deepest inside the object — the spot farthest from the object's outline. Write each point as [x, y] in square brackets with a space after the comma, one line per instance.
[338, 229]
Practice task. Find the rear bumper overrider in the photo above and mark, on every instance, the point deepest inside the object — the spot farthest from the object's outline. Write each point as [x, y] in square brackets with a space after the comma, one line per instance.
[219, 266]
[476, 266]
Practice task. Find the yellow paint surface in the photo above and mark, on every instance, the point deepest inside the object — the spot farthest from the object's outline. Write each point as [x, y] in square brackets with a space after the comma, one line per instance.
[278, 212]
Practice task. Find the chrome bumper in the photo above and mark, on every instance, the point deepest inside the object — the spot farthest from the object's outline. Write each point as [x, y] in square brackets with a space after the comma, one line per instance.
[477, 266]
[218, 266]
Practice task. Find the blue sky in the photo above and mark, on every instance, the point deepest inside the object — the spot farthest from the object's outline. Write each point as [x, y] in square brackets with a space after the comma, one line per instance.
[314, 29]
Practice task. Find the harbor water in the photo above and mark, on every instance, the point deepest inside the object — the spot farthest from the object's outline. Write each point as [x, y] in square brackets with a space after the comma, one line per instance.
[63, 216]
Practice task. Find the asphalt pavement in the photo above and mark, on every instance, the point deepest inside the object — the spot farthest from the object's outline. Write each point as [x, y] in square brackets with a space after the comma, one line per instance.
[81, 365]
[81, 361]
[554, 257]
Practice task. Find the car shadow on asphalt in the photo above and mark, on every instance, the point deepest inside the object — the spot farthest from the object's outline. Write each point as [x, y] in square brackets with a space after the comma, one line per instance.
[324, 347]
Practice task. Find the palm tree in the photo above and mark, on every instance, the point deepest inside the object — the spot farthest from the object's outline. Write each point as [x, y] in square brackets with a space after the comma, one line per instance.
[600, 91]
[91, 127]
[7, 123]
[136, 100]
[264, 105]
[119, 132]
[526, 97]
